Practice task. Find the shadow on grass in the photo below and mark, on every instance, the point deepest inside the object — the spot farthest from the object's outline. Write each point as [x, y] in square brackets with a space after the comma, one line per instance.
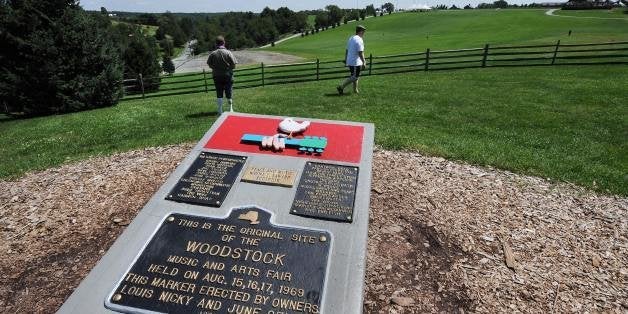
[6, 118]
[202, 114]
[336, 94]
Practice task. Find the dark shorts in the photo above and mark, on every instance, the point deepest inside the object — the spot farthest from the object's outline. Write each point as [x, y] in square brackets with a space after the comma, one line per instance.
[355, 71]
[224, 85]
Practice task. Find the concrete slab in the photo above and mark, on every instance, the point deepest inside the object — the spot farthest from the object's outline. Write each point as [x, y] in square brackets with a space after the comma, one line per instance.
[344, 273]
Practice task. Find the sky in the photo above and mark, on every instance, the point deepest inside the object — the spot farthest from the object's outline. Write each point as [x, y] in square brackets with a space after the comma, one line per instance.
[158, 6]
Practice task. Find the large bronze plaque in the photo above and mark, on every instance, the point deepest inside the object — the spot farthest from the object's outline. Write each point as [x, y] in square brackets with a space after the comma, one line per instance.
[240, 264]
[326, 191]
[270, 176]
[208, 180]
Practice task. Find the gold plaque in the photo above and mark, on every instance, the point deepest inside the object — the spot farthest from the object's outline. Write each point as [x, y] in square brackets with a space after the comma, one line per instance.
[269, 176]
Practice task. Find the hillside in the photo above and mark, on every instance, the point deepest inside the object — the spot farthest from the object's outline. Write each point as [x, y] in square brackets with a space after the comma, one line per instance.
[416, 31]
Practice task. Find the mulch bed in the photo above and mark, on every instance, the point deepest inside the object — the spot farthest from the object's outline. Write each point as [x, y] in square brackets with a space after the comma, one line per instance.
[443, 236]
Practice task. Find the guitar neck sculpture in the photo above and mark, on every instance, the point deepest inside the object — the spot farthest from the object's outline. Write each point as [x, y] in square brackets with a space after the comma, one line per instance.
[308, 144]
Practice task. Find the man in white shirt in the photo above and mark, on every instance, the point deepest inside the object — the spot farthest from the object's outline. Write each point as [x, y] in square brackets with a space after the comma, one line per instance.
[354, 59]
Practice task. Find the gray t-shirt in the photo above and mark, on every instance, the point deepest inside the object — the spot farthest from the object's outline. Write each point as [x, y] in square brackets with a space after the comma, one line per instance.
[222, 62]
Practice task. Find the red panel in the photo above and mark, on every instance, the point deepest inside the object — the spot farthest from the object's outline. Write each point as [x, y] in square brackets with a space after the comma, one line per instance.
[344, 142]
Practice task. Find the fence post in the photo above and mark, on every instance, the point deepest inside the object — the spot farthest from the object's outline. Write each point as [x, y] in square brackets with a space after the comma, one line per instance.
[427, 59]
[142, 85]
[370, 63]
[555, 51]
[262, 74]
[485, 56]
[317, 68]
[205, 80]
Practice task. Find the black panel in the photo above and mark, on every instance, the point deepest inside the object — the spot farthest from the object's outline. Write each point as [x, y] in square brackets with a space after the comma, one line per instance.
[208, 180]
[197, 264]
[326, 191]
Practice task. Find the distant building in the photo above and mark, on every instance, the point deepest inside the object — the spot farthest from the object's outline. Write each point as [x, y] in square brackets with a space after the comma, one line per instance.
[551, 4]
[587, 5]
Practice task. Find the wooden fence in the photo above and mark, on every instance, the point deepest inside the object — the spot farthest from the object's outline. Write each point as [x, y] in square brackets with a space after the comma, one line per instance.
[429, 60]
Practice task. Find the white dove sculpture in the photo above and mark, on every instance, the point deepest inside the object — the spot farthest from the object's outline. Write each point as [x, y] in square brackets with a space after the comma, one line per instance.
[288, 125]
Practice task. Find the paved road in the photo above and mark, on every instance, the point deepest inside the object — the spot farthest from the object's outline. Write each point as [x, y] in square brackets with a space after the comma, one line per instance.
[244, 57]
[185, 55]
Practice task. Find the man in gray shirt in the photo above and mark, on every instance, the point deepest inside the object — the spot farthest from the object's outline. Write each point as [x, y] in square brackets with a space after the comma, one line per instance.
[222, 62]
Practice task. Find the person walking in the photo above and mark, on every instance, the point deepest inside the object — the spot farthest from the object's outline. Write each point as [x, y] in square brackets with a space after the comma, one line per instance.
[354, 59]
[222, 62]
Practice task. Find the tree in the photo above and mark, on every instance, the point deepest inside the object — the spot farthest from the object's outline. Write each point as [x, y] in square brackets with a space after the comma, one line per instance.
[283, 20]
[103, 11]
[468, 7]
[299, 21]
[167, 65]
[167, 46]
[147, 19]
[168, 25]
[322, 19]
[56, 58]
[335, 14]
[454, 7]
[140, 56]
[388, 7]
[370, 10]
[187, 26]
[352, 15]
[500, 4]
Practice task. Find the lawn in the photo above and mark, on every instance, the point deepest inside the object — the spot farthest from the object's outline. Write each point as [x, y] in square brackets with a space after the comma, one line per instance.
[568, 123]
[416, 31]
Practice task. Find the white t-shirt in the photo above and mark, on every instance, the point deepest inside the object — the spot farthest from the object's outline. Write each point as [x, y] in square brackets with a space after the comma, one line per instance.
[354, 46]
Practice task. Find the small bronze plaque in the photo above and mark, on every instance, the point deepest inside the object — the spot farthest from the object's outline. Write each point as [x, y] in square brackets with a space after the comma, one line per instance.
[208, 180]
[269, 176]
[326, 191]
[239, 264]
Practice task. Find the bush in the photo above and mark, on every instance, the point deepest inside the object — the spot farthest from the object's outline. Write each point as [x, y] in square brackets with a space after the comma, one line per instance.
[167, 65]
[56, 58]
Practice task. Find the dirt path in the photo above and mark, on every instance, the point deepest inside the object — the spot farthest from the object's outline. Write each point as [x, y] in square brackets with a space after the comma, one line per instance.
[443, 236]
[244, 57]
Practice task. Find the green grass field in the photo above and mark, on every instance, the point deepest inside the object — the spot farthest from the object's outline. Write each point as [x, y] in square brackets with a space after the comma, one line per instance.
[567, 123]
[148, 30]
[574, 131]
[410, 32]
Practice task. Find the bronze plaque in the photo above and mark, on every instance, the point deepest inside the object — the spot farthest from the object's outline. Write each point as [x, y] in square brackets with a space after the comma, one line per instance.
[238, 264]
[208, 180]
[269, 176]
[326, 191]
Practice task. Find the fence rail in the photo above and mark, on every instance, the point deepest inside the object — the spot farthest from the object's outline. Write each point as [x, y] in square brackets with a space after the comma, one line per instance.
[429, 60]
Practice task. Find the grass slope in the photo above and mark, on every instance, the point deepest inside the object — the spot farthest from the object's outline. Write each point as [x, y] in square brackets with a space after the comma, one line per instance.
[566, 123]
[415, 31]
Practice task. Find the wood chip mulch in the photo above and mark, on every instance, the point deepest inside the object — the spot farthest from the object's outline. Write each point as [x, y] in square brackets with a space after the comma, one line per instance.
[444, 237]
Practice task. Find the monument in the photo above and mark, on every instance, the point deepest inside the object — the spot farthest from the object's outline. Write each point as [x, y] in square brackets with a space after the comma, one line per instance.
[265, 215]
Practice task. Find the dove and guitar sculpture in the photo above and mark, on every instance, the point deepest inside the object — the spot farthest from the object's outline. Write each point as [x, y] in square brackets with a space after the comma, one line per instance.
[278, 142]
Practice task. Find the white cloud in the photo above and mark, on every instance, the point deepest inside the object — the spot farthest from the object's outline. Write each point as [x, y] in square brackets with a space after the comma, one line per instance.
[419, 7]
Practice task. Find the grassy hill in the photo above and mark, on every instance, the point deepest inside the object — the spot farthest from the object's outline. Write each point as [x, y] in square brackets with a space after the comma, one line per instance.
[567, 123]
[574, 131]
[416, 31]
